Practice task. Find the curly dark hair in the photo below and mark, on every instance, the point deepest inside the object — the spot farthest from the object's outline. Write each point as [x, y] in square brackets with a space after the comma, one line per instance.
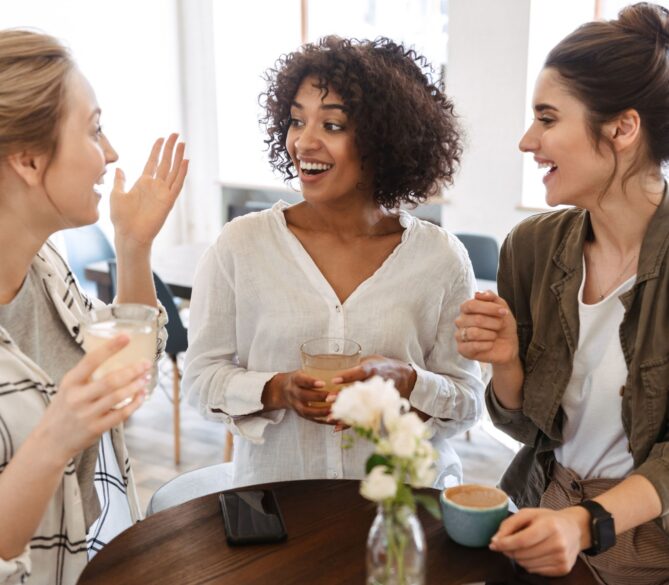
[405, 127]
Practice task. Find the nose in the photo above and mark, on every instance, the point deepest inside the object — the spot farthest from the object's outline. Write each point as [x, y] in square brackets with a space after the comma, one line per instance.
[529, 142]
[111, 156]
[307, 140]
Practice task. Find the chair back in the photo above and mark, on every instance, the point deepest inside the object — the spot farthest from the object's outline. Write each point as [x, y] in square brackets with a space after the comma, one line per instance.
[85, 245]
[177, 335]
[484, 254]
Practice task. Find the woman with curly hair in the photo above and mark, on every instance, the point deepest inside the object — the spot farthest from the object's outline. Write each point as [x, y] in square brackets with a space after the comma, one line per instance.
[363, 128]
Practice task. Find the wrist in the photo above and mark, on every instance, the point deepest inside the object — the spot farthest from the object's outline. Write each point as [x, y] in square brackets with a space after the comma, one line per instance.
[43, 441]
[410, 378]
[126, 248]
[581, 518]
[272, 394]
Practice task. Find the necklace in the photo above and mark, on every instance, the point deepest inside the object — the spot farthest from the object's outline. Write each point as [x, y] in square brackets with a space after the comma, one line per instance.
[616, 280]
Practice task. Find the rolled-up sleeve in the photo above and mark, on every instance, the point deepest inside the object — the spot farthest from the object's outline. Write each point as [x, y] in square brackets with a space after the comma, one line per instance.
[16, 570]
[656, 470]
[214, 381]
[449, 388]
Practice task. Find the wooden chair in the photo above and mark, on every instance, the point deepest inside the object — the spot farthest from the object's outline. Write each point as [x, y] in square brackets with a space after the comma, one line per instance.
[177, 342]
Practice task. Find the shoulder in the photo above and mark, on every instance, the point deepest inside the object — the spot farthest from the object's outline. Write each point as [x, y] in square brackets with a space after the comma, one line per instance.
[249, 228]
[544, 231]
[49, 262]
[432, 240]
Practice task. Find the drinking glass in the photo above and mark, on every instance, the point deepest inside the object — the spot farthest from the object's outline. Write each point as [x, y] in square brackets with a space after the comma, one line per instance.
[326, 357]
[138, 322]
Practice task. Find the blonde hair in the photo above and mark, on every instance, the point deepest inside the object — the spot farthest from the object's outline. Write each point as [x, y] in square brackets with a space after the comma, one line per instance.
[34, 68]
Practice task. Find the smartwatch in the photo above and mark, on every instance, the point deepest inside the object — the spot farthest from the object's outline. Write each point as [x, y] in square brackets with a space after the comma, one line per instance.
[602, 528]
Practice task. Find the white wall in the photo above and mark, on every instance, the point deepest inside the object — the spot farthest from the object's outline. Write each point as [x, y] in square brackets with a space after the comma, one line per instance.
[129, 52]
[487, 79]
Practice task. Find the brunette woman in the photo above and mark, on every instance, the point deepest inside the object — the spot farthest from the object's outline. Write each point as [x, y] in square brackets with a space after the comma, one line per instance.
[578, 334]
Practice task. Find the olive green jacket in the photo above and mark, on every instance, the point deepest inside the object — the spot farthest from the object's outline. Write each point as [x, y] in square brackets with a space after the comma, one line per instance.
[540, 272]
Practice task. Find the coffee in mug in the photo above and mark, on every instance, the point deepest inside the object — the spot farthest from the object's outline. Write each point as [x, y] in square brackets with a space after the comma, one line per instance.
[472, 513]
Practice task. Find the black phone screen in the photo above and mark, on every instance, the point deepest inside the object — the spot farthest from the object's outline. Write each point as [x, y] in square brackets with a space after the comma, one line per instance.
[252, 517]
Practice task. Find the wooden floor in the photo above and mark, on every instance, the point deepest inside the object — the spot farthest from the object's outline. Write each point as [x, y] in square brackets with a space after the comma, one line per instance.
[150, 443]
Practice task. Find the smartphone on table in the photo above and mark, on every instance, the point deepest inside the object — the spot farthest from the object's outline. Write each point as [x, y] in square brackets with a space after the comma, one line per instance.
[252, 517]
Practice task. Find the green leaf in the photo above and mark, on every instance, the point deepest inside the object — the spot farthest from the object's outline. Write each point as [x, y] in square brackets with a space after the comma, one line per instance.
[430, 504]
[375, 460]
[404, 496]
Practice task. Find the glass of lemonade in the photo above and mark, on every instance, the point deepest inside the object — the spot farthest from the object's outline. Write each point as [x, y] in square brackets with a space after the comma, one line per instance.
[326, 357]
[138, 322]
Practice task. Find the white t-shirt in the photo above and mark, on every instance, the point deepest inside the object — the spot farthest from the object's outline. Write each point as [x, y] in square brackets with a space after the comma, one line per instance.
[258, 295]
[595, 444]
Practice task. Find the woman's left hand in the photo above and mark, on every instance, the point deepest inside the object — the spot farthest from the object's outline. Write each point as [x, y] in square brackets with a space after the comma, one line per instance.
[543, 541]
[139, 214]
[399, 372]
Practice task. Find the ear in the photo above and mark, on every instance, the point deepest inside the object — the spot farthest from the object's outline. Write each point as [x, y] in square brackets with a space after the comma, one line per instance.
[624, 130]
[28, 166]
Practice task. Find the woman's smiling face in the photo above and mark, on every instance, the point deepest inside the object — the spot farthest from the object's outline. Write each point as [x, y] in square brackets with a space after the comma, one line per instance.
[80, 159]
[321, 144]
[561, 142]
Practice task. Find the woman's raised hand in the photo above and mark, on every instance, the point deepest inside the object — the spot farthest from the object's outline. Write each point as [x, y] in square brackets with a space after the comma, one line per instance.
[486, 330]
[139, 214]
[83, 409]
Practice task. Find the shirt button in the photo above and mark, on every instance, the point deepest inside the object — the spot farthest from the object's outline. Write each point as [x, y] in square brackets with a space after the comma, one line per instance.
[338, 308]
[335, 475]
[228, 420]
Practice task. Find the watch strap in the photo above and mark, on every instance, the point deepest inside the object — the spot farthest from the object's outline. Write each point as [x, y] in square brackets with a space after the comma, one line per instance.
[602, 528]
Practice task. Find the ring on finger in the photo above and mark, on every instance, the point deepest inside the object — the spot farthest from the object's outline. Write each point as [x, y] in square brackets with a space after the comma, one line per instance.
[464, 336]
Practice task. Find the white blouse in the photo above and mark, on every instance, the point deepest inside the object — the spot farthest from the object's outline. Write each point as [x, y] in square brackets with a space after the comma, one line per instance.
[258, 295]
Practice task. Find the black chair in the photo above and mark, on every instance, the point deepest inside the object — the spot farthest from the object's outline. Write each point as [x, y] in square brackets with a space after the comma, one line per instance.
[484, 254]
[177, 342]
[85, 245]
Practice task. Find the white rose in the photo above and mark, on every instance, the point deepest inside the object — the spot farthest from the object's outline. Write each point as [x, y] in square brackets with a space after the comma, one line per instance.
[423, 472]
[378, 485]
[362, 404]
[405, 435]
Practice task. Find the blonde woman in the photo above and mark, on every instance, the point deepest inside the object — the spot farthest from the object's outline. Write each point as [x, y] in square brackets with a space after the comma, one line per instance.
[56, 424]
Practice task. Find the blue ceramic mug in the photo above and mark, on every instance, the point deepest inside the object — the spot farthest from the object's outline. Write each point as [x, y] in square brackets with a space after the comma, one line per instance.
[472, 513]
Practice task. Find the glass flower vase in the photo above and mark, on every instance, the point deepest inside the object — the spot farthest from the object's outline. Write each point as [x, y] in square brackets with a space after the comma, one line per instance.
[396, 548]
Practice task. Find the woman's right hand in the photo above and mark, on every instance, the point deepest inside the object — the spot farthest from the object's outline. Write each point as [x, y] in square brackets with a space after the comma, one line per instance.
[83, 409]
[486, 330]
[298, 391]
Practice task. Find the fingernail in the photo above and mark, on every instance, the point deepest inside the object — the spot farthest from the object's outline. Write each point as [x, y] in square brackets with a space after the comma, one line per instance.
[503, 311]
[330, 398]
[319, 384]
[337, 380]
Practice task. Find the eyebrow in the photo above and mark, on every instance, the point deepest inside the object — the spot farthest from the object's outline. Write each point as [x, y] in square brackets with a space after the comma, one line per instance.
[340, 107]
[544, 107]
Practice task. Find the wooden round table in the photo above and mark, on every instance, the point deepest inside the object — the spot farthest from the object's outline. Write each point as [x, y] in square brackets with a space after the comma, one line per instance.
[327, 523]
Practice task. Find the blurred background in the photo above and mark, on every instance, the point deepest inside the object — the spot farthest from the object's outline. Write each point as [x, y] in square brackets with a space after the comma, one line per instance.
[196, 66]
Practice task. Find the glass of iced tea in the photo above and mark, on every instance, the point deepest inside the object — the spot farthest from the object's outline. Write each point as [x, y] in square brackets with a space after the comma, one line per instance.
[138, 322]
[326, 357]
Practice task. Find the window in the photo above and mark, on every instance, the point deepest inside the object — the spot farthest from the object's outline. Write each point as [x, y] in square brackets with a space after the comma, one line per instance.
[547, 27]
[128, 53]
[247, 44]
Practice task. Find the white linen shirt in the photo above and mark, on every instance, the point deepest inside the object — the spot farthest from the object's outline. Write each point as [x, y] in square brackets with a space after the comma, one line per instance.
[258, 295]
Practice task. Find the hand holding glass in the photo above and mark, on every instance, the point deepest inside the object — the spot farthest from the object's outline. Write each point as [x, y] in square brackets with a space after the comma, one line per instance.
[138, 322]
[325, 358]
